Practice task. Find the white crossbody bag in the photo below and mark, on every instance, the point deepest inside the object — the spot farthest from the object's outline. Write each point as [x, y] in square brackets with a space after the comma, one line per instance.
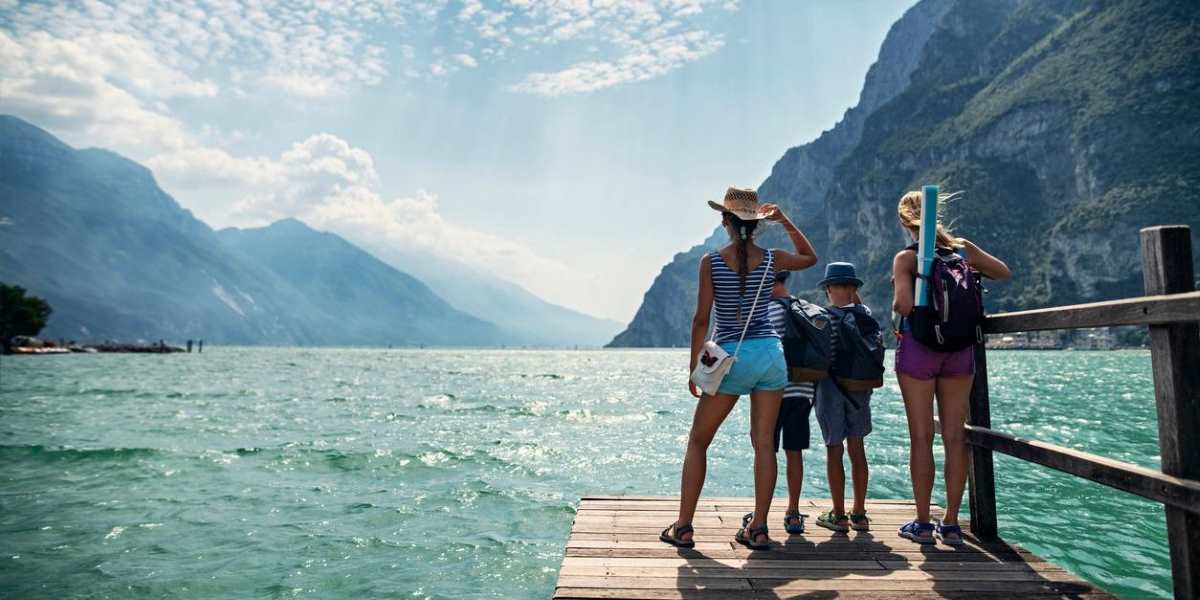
[713, 362]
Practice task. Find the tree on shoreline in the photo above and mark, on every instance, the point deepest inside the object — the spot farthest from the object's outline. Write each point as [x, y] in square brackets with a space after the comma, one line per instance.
[20, 314]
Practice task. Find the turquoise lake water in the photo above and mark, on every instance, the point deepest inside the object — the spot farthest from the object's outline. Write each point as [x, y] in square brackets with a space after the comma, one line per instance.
[337, 473]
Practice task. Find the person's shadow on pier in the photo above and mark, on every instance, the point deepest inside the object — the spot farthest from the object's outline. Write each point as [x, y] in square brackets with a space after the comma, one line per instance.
[824, 565]
[796, 566]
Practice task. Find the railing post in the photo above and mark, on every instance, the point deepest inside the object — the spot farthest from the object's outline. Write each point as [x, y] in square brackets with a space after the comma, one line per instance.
[981, 474]
[1175, 356]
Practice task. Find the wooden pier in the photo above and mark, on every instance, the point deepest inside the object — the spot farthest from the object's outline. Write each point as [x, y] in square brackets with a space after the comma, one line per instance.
[614, 552]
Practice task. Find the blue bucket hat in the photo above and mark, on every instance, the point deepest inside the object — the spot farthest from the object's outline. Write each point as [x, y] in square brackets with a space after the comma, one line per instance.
[840, 273]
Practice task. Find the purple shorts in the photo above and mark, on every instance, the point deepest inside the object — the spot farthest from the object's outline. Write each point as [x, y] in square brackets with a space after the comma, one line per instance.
[916, 360]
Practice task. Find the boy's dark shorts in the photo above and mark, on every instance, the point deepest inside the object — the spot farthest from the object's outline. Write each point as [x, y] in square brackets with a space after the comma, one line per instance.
[792, 427]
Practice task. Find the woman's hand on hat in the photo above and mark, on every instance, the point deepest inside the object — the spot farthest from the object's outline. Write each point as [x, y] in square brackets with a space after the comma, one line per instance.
[771, 212]
[692, 389]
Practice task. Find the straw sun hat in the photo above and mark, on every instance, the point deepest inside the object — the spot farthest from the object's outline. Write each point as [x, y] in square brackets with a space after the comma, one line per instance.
[742, 203]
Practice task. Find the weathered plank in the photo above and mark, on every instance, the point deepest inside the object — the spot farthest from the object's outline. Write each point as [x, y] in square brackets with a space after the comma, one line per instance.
[1175, 355]
[586, 531]
[1183, 494]
[1152, 309]
[1014, 588]
[793, 575]
[739, 500]
[721, 584]
[670, 583]
[730, 563]
[613, 552]
[653, 594]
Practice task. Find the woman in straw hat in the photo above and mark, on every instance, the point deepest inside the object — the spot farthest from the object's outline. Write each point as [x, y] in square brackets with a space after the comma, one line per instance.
[730, 282]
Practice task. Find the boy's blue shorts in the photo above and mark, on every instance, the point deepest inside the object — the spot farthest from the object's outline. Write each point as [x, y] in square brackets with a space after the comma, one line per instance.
[759, 366]
[837, 417]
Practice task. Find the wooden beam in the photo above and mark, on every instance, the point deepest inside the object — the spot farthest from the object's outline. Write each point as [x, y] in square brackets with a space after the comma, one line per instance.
[1152, 309]
[981, 475]
[1175, 356]
[1147, 483]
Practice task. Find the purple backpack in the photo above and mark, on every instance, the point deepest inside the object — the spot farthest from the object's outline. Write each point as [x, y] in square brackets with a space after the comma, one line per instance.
[953, 319]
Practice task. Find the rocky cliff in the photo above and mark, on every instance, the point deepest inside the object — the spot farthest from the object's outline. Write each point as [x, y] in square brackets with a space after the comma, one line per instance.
[798, 182]
[1069, 124]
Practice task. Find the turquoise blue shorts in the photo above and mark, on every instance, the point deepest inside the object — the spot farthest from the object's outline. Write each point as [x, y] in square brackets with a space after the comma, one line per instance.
[759, 366]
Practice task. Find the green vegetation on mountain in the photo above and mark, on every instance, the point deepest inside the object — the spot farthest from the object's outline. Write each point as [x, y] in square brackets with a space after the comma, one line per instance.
[1074, 125]
[21, 314]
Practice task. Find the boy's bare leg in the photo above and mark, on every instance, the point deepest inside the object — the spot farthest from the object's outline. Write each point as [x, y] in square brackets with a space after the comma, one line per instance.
[795, 478]
[859, 472]
[836, 473]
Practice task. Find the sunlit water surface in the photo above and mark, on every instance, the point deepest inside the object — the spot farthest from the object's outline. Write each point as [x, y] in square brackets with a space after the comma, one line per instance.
[289, 472]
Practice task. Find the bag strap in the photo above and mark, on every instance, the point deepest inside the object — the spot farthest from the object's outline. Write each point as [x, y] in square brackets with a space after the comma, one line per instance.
[712, 334]
[770, 258]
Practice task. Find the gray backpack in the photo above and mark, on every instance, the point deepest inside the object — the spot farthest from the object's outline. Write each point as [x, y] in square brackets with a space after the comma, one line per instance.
[807, 339]
[858, 361]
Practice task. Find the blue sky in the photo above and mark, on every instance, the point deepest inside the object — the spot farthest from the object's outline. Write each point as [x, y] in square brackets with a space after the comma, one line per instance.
[567, 146]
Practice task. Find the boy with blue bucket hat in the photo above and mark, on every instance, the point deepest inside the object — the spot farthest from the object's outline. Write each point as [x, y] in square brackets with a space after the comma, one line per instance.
[844, 416]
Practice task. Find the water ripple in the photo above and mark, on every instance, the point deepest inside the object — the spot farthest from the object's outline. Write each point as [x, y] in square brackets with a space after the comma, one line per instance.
[276, 472]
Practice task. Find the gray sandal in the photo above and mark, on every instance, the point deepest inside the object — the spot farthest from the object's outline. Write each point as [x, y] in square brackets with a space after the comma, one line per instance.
[672, 537]
[749, 540]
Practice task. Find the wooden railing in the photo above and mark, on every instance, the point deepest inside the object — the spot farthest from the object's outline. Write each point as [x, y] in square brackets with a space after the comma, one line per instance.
[1171, 309]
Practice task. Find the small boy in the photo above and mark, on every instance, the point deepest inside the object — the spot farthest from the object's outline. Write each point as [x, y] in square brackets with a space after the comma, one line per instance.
[844, 417]
[792, 427]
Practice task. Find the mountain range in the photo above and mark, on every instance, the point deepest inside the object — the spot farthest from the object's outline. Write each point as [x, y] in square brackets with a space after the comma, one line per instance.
[1068, 125]
[118, 258]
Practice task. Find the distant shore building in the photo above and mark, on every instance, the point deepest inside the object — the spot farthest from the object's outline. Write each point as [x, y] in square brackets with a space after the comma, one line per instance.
[1028, 340]
[1099, 338]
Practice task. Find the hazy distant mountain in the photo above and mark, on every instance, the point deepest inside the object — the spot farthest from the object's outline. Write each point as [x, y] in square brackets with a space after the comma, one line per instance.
[370, 301]
[118, 258]
[526, 317]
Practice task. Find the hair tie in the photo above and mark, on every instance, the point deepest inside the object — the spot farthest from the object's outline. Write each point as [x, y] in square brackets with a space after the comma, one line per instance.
[743, 231]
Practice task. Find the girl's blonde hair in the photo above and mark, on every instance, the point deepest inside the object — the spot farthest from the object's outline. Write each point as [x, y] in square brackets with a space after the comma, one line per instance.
[909, 209]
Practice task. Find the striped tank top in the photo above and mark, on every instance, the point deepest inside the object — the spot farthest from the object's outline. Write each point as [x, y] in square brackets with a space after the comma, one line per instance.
[727, 297]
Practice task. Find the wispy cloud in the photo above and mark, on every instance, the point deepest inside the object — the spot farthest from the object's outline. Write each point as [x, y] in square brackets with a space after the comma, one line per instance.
[300, 46]
[128, 74]
[317, 48]
[638, 39]
[95, 85]
[643, 60]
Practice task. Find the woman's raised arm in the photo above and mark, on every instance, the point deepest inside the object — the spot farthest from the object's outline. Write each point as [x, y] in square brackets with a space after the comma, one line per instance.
[989, 266]
[805, 256]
